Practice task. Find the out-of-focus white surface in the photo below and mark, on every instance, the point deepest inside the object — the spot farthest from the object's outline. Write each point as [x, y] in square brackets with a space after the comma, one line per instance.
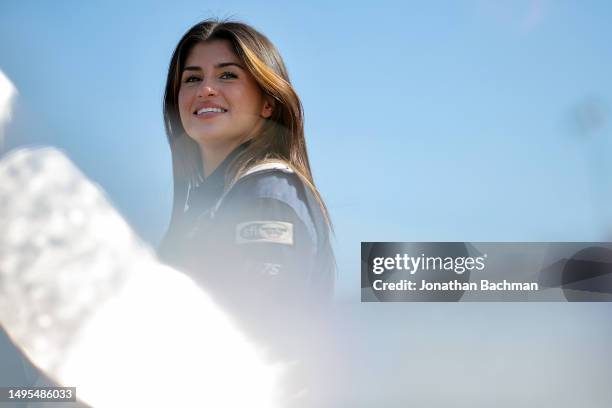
[89, 304]
[7, 95]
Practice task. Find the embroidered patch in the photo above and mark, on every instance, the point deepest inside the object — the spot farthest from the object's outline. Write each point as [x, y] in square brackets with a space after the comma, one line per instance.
[277, 232]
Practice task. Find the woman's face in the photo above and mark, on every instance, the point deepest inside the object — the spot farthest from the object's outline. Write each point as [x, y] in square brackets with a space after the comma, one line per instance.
[219, 101]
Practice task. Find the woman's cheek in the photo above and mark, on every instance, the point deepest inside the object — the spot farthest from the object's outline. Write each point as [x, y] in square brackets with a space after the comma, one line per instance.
[183, 104]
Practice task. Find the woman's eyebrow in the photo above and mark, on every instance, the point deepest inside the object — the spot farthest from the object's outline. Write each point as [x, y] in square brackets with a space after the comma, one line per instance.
[228, 64]
[219, 65]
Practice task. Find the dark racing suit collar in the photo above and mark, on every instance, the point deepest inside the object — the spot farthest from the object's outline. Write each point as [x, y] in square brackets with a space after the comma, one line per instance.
[217, 177]
[204, 195]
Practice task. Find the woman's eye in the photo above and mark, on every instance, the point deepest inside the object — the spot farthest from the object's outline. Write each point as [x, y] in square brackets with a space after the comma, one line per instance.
[192, 78]
[228, 75]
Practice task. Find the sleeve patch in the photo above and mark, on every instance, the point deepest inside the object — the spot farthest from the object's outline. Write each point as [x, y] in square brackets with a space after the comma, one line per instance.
[277, 232]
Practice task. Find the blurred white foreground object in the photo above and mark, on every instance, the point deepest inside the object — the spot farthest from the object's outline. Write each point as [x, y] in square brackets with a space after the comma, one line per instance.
[89, 304]
[7, 95]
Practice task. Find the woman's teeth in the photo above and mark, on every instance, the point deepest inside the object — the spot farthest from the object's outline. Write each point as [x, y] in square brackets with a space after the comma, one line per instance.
[207, 110]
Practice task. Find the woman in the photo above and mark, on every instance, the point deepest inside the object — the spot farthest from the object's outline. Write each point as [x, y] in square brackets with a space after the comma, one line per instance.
[247, 220]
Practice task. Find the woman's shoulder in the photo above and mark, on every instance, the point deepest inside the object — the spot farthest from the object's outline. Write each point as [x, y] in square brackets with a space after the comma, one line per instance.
[273, 192]
[279, 183]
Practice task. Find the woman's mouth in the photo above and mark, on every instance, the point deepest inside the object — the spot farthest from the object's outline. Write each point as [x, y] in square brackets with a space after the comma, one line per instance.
[209, 111]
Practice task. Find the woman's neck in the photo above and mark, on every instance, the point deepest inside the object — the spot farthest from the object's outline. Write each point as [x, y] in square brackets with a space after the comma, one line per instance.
[213, 156]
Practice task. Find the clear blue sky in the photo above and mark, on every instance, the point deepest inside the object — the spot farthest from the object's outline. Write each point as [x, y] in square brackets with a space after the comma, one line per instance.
[425, 120]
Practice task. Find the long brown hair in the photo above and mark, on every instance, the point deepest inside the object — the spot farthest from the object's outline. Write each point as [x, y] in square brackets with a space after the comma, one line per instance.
[282, 136]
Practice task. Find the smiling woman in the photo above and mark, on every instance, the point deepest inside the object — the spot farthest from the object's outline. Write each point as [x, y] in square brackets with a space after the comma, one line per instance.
[220, 103]
[248, 222]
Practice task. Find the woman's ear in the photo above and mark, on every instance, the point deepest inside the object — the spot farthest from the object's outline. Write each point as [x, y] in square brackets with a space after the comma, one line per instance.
[268, 108]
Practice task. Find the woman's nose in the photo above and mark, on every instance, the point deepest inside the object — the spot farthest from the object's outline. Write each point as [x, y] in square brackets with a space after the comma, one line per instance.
[206, 89]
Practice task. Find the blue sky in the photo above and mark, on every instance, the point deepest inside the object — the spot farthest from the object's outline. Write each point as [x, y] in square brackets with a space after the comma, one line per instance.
[425, 121]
